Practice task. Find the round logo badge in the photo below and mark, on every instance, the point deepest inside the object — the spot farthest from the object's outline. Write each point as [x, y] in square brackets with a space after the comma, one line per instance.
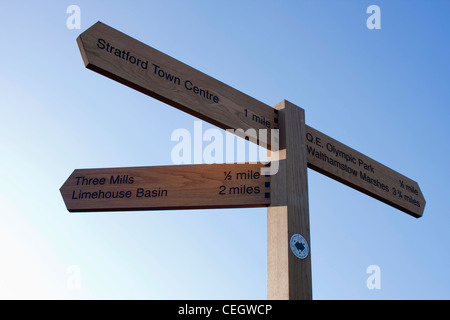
[299, 246]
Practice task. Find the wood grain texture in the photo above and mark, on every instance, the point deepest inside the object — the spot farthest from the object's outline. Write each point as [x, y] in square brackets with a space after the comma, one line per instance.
[288, 277]
[166, 187]
[143, 68]
[354, 169]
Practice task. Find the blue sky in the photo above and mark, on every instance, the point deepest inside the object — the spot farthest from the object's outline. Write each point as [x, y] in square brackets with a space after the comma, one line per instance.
[382, 92]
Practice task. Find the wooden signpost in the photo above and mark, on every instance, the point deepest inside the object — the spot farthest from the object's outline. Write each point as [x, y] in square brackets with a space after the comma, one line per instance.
[202, 186]
[336, 160]
[285, 193]
[141, 67]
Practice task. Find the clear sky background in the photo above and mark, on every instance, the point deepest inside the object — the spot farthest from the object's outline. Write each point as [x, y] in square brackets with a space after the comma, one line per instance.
[382, 92]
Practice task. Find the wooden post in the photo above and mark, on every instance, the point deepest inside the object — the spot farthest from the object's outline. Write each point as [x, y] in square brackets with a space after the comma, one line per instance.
[288, 276]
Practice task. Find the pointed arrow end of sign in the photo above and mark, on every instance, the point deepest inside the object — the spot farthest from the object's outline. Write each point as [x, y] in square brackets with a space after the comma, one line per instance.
[423, 201]
[81, 42]
[82, 51]
[418, 203]
[65, 193]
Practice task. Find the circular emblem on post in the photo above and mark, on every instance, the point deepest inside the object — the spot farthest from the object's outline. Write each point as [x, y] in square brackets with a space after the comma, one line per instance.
[299, 246]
